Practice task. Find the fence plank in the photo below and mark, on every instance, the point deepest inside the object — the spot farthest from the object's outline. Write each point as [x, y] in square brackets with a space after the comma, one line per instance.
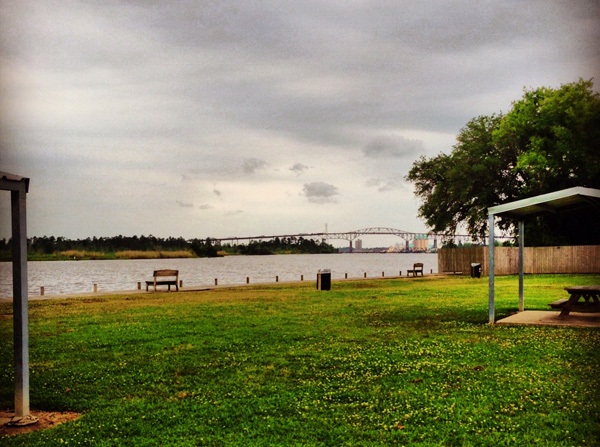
[567, 259]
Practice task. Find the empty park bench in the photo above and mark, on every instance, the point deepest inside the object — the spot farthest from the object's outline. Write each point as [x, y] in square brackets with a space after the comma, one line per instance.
[164, 282]
[582, 299]
[417, 268]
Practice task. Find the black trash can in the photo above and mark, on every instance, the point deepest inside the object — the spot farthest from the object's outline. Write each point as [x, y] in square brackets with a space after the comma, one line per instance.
[475, 270]
[324, 279]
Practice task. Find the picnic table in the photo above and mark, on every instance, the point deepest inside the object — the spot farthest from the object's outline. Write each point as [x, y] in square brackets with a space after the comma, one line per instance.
[581, 299]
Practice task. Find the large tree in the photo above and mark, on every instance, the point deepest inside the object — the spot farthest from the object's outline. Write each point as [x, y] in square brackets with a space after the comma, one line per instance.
[549, 140]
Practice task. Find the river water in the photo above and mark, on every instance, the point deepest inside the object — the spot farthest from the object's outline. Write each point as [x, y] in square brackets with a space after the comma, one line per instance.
[68, 277]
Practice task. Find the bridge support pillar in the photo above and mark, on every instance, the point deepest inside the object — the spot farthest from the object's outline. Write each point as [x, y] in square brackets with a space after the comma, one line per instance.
[351, 249]
[407, 246]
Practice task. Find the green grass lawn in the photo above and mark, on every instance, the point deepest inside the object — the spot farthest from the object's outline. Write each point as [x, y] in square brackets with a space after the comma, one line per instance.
[370, 363]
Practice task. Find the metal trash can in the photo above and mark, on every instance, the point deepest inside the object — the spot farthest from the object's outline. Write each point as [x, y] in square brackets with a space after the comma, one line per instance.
[324, 279]
[475, 270]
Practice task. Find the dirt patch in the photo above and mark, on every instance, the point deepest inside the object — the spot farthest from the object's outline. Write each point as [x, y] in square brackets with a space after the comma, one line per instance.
[45, 420]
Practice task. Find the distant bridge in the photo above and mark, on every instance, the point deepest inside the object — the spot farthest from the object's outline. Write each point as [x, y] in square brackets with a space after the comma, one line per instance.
[350, 236]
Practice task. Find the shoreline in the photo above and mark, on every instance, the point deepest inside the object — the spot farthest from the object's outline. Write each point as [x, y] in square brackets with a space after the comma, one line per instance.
[111, 257]
[71, 278]
[203, 288]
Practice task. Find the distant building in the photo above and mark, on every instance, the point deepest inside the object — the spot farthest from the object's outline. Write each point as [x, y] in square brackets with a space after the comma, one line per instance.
[358, 244]
[396, 248]
[421, 244]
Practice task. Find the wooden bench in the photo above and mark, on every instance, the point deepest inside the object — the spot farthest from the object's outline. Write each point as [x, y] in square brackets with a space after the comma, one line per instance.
[575, 303]
[164, 282]
[417, 268]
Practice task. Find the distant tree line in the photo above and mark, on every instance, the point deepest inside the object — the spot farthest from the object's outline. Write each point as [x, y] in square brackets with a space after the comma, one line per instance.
[50, 245]
[285, 245]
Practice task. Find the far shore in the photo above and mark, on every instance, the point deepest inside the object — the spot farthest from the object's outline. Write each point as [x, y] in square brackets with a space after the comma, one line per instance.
[79, 255]
[76, 255]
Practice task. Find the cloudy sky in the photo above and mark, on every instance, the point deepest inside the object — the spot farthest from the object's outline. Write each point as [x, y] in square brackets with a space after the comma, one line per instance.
[241, 118]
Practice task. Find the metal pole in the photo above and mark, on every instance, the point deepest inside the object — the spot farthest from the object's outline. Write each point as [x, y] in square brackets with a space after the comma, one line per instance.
[491, 269]
[20, 304]
[521, 266]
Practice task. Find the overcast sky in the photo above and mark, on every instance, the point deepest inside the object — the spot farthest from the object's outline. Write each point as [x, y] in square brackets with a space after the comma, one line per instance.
[241, 118]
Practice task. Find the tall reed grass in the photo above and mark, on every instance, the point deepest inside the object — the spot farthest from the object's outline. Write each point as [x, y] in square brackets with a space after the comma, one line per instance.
[123, 254]
[83, 254]
[135, 254]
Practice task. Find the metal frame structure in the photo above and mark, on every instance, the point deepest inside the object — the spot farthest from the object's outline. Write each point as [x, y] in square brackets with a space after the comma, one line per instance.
[350, 236]
[19, 187]
[571, 199]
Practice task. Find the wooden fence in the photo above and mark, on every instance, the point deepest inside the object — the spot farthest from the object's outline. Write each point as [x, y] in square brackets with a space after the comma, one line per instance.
[571, 259]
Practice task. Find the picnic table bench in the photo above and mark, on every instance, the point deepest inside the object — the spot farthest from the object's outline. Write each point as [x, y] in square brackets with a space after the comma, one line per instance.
[417, 268]
[590, 302]
[164, 282]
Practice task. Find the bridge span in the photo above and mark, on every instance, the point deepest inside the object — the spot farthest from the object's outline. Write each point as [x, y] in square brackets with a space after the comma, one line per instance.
[350, 236]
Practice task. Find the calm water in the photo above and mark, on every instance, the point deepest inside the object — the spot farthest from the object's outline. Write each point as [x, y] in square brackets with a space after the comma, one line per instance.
[65, 277]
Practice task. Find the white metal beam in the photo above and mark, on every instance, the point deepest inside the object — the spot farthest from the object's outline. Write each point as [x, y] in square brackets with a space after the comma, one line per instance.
[491, 311]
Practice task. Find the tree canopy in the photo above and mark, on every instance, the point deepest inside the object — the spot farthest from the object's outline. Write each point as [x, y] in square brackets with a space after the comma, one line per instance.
[549, 140]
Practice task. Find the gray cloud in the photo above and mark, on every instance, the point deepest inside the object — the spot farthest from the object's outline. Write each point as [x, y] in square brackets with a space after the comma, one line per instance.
[251, 165]
[298, 168]
[140, 96]
[393, 147]
[184, 204]
[320, 192]
[384, 185]
[205, 207]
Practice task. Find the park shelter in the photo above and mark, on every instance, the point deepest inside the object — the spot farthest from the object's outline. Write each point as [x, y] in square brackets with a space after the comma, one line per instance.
[571, 199]
[19, 187]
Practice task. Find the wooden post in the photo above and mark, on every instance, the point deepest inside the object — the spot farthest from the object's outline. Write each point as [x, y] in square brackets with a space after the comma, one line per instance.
[346, 275]
[277, 279]
[180, 283]
[521, 226]
[365, 274]
[383, 274]
[139, 285]
[216, 281]
[42, 291]
[301, 277]
[247, 280]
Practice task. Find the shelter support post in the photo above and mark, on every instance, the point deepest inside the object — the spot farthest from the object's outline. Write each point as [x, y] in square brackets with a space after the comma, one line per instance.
[491, 311]
[521, 265]
[20, 298]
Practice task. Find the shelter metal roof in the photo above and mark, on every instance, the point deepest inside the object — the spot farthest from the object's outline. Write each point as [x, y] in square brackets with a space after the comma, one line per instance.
[570, 199]
[12, 182]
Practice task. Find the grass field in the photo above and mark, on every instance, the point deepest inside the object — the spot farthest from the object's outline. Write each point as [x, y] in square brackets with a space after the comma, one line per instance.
[370, 363]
